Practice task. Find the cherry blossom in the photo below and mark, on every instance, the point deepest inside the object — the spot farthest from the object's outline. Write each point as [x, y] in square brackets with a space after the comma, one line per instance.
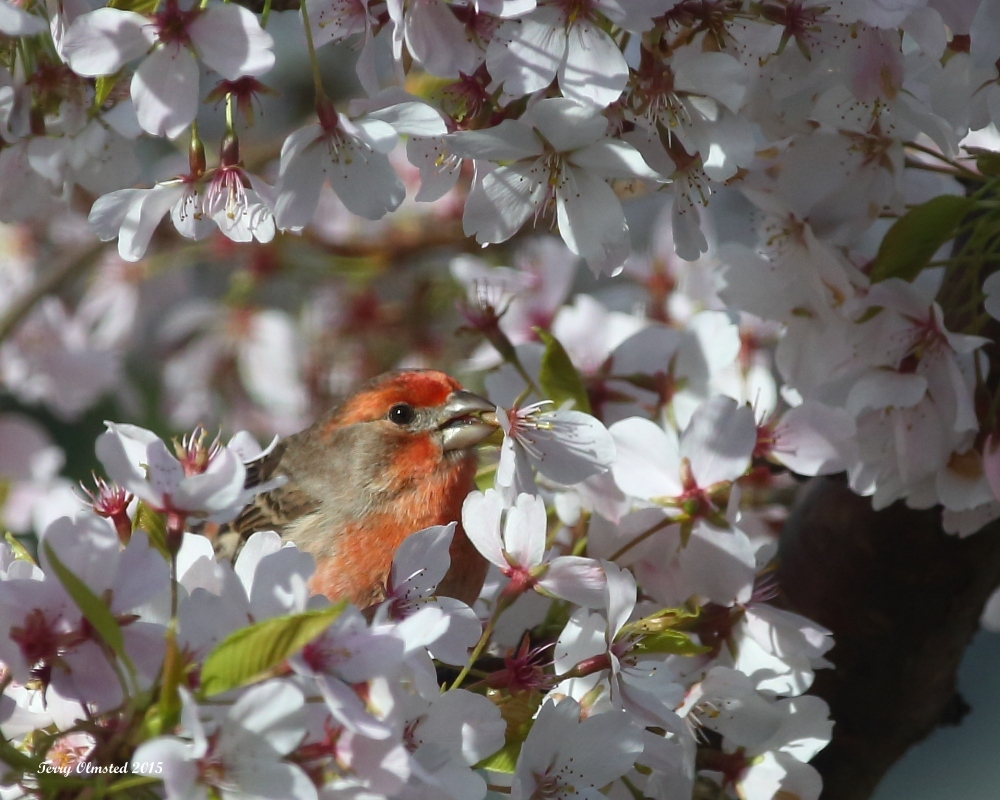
[779, 149]
[349, 151]
[556, 159]
[240, 753]
[349, 653]
[131, 215]
[639, 683]
[419, 565]
[448, 736]
[566, 757]
[514, 540]
[565, 446]
[557, 39]
[712, 452]
[810, 439]
[196, 478]
[226, 38]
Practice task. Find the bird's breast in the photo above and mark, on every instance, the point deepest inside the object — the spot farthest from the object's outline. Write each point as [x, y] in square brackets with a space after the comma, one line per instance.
[354, 551]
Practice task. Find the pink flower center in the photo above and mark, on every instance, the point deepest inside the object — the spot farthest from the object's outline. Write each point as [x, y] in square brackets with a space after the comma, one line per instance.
[172, 23]
[521, 580]
[576, 9]
[322, 657]
[548, 787]
[107, 499]
[227, 190]
[522, 671]
[212, 767]
[37, 638]
[467, 97]
[193, 454]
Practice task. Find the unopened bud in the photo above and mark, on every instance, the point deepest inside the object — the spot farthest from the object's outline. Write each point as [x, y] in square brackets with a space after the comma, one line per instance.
[229, 152]
[196, 156]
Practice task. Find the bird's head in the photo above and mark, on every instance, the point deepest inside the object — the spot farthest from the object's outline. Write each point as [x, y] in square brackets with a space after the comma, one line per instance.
[422, 411]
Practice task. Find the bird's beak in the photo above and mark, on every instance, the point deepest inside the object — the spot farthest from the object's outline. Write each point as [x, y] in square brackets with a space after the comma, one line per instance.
[466, 420]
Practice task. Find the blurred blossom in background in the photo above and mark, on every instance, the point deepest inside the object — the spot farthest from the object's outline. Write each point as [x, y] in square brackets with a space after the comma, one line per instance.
[697, 253]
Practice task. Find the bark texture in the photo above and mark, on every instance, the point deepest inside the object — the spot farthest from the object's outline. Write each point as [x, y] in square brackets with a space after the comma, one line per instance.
[903, 600]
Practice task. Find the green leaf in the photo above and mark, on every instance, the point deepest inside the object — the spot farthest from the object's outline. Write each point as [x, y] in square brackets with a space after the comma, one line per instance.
[485, 478]
[20, 551]
[518, 711]
[139, 6]
[102, 88]
[503, 760]
[94, 610]
[665, 618]
[155, 525]
[672, 642]
[558, 378]
[915, 237]
[249, 654]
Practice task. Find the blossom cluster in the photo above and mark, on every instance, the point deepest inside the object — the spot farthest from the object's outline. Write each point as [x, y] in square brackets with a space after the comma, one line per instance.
[827, 118]
[811, 191]
[129, 648]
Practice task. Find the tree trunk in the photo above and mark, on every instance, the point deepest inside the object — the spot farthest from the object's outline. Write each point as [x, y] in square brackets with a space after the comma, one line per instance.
[903, 600]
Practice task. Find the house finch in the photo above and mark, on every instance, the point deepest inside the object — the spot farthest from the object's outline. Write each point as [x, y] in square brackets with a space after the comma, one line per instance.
[396, 457]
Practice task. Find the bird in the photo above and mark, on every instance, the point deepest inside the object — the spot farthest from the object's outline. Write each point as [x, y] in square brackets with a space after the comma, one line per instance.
[398, 456]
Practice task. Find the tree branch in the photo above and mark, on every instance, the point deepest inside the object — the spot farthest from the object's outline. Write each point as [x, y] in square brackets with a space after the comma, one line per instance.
[903, 600]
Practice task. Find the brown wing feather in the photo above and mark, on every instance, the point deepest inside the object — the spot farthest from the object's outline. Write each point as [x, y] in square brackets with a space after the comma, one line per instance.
[271, 510]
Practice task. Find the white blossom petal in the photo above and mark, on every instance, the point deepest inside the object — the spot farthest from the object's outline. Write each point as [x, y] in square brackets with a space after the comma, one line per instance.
[577, 579]
[594, 70]
[648, 461]
[105, 40]
[481, 517]
[230, 40]
[501, 202]
[165, 91]
[719, 441]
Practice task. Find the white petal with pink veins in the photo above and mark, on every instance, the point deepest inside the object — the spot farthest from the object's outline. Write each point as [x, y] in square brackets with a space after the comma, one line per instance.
[579, 580]
[814, 439]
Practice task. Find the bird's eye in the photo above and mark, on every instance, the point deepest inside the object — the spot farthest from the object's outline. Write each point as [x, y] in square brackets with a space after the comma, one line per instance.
[402, 414]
